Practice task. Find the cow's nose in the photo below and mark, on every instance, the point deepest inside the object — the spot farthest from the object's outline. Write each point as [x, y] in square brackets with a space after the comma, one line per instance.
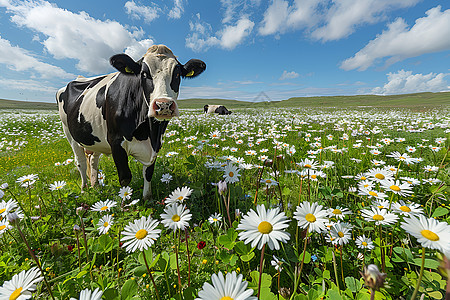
[164, 107]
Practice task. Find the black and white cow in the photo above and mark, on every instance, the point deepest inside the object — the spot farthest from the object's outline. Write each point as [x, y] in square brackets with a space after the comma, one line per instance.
[218, 109]
[124, 113]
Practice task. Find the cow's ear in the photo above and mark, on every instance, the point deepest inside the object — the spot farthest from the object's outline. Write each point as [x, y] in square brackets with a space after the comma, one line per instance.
[125, 64]
[193, 68]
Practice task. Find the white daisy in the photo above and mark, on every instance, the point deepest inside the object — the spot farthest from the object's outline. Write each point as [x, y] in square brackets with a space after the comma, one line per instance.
[215, 219]
[311, 216]
[4, 226]
[231, 173]
[264, 226]
[57, 185]
[379, 174]
[277, 263]
[379, 216]
[166, 178]
[176, 216]
[7, 207]
[338, 212]
[406, 209]
[103, 206]
[430, 233]
[21, 285]
[104, 224]
[371, 193]
[232, 287]
[395, 186]
[179, 195]
[87, 294]
[308, 163]
[140, 234]
[340, 234]
[364, 242]
[125, 192]
[27, 180]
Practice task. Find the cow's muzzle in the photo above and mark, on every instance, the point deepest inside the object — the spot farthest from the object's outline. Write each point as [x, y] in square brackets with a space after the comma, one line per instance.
[163, 108]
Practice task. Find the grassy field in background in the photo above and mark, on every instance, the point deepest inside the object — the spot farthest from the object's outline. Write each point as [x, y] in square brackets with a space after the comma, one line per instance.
[427, 100]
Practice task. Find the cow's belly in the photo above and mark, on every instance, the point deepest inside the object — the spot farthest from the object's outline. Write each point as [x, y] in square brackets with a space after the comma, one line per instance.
[141, 150]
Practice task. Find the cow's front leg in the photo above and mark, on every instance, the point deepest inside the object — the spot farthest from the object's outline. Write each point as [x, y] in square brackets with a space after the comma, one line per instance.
[148, 173]
[121, 160]
[95, 157]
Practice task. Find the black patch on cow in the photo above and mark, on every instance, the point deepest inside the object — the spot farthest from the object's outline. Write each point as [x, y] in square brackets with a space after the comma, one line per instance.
[79, 128]
[142, 132]
[205, 108]
[120, 157]
[100, 97]
[157, 129]
[176, 79]
[193, 68]
[149, 172]
[147, 81]
[221, 110]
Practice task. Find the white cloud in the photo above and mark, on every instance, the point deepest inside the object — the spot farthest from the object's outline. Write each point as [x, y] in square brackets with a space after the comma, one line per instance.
[137, 50]
[148, 13]
[288, 75]
[28, 85]
[344, 16]
[73, 35]
[429, 34]
[281, 17]
[177, 9]
[231, 36]
[202, 37]
[19, 59]
[404, 82]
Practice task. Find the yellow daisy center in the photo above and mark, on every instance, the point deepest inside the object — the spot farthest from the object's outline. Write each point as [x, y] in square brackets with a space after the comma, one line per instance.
[215, 220]
[2, 210]
[231, 174]
[372, 193]
[180, 198]
[337, 211]
[105, 224]
[142, 233]
[394, 188]
[176, 218]
[2, 227]
[265, 227]
[313, 176]
[378, 217]
[380, 206]
[268, 181]
[308, 166]
[226, 298]
[16, 294]
[363, 178]
[430, 235]
[405, 208]
[379, 176]
[340, 234]
[364, 244]
[104, 208]
[401, 157]
[310, 218]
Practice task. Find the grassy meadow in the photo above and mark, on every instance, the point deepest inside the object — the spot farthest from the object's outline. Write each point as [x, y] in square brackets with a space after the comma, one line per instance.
[312, 195]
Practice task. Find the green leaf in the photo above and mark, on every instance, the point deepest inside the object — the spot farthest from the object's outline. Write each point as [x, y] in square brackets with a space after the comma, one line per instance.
[352, 284]
[334, 295]
[248, 257]
[242, 249]
[439, 212]
[429, 263]
[307, 257]
[129, 289]
[139, 271]
[266, 280]
[228, 240]
[111, 294]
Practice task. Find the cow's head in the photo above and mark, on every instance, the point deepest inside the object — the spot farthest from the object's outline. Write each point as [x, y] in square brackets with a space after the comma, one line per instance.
[160, 74]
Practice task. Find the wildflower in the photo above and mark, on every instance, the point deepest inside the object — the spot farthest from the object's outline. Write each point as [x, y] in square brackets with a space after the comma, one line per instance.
[311, 216]
[277, 263]
[430, 233]
[27, 180]
[340, 233]
[373, 278]
[308, 163]
[87, 294]
[215, 219]
[179, 195]
[407, 209]
[395, 186]
[364, 242]
[21, 285]
[269, 182]
[429, 168]
[57, 185]
[176, 216]
[201, 245]
[166, 178]
[338, 212]
[264, 226]
[371, 193]
[228, 288]
[104, 224]
[103, 205]
[140, 234]
[401, 157]
[222, 186]
[7, 207]
[410, 180]
[125, 192]
[378, 174]
[4, 226]
[231, 173]
[379, 216]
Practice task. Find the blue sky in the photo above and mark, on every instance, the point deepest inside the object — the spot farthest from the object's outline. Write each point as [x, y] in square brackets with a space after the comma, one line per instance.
[284, 48]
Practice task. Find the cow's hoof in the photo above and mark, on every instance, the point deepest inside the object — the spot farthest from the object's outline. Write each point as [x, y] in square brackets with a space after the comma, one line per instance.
[125, 182]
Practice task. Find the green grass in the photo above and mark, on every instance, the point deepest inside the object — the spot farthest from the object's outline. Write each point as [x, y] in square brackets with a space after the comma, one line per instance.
[419, 100]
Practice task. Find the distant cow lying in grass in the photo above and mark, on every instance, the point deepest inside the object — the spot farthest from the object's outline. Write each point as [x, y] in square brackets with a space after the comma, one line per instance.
[218, 109]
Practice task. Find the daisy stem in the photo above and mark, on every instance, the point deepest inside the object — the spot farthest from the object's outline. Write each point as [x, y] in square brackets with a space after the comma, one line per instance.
[78, 248]
[151, 276]
[335, 270]
[297, 278]
[420, 275]
[442, 162]
[35, 259]
[255, 202]
[279, 275]
[176, 257]
[342, 268]
[383, 258]
[261, 266]
[372, 294]
[189, 257]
